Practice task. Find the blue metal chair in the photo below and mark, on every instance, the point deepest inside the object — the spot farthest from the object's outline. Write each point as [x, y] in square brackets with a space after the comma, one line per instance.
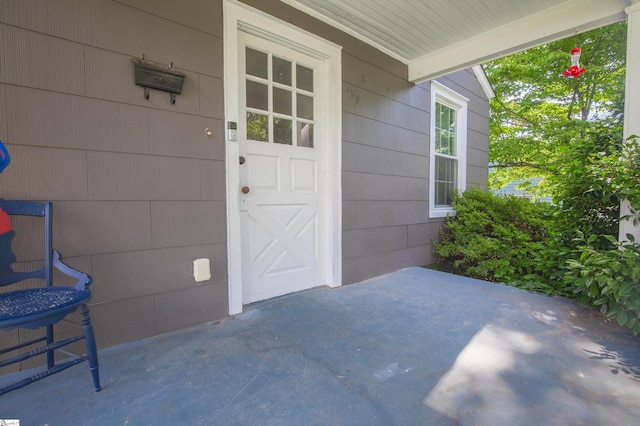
[43, 306]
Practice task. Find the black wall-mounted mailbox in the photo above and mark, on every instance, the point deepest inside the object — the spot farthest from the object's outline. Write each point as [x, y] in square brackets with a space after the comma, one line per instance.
[158, 76]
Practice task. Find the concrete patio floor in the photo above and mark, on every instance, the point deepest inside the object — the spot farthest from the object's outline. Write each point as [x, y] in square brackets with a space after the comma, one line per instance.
[415, 347]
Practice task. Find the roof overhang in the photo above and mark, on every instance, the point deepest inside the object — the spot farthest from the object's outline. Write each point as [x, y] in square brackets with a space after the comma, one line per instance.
[437, 37]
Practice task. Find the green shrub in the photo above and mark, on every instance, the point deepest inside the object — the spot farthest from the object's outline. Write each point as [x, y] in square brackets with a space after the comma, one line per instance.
[494, 238]
[524, 244]
[550, 265]
[585, 204]
[594, 173]
[608, 279]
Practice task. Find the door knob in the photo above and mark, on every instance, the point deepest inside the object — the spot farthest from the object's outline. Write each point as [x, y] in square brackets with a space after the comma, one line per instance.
[245, 189]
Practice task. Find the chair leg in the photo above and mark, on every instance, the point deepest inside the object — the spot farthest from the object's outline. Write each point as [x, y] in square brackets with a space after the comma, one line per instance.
[90, 342]
[50, 353]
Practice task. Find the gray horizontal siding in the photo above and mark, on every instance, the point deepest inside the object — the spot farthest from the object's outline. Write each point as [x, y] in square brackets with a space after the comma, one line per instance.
[138, 189]
[386, 167]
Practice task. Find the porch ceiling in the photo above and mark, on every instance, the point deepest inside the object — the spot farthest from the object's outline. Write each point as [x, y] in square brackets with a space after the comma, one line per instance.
[436, 37]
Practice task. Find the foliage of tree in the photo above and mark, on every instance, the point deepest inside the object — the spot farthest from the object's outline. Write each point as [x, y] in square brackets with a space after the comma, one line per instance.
[580, 179]
[537, 113]
[569, 132]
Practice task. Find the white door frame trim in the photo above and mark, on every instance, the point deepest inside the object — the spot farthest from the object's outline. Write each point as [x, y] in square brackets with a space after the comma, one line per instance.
[237, 17]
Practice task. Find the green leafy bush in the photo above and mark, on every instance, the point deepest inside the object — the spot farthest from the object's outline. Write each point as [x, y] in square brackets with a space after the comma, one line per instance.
[608, 279]
[494, 238]
[583, 187]
[533, 245]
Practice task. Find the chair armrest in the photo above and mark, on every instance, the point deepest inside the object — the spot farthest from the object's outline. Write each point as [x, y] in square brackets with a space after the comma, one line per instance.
[83, 280]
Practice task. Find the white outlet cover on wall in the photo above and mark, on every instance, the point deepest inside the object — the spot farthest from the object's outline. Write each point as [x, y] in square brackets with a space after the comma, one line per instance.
[201, 269]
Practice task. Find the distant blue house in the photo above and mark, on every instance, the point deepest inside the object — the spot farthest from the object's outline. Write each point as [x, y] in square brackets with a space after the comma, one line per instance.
[512, 189]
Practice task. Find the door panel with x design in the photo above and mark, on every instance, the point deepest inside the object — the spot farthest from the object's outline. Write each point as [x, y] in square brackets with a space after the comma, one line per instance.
[282, 223]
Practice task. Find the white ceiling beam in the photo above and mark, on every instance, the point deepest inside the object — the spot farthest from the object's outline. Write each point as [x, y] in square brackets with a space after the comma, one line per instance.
[568, 18]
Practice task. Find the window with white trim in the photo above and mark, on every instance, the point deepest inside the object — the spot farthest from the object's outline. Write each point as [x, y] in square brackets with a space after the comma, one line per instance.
[448, 148]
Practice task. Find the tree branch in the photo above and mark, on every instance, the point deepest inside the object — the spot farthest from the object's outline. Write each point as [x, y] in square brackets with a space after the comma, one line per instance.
[516, 164]
[512, 112]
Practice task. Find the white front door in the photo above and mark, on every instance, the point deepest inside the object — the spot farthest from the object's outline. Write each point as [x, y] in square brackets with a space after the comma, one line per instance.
[282, 153]
[283, 89]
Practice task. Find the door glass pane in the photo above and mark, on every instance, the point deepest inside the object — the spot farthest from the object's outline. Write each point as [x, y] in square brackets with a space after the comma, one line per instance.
[281, 71]
[257, 127]
[257, 63]
[305, 106]
[304, 78]
[305, 135]
[273, 114]
[257, 95]
[282, 131]
[282, 101]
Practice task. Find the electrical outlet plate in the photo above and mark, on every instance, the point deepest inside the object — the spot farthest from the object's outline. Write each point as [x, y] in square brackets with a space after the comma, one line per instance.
[201, 269]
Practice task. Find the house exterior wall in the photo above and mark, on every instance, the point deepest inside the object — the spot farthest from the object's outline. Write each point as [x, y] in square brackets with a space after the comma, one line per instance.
[385, 153]
[386, 169]
[139, 190]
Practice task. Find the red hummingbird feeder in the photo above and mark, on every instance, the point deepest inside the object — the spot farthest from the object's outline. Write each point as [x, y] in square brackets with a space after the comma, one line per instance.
[574, 70]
